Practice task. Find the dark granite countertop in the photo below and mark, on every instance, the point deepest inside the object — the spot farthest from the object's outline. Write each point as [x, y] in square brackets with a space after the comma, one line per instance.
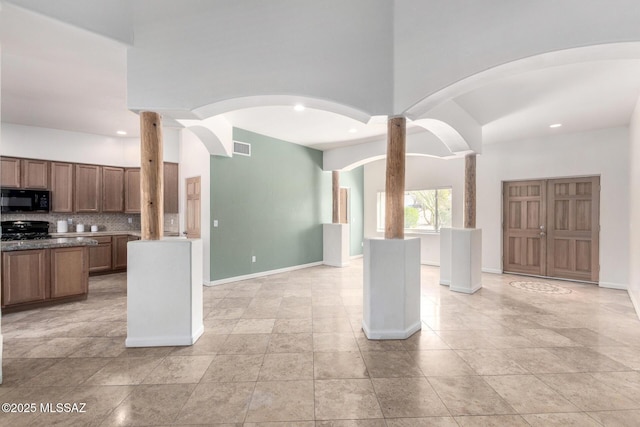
[63, 242]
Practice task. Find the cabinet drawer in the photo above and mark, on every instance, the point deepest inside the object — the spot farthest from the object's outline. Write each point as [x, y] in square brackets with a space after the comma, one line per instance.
[102, 239]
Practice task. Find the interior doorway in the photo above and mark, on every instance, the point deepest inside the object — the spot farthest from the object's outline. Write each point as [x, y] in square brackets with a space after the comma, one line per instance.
[193, 208]
[551, 227]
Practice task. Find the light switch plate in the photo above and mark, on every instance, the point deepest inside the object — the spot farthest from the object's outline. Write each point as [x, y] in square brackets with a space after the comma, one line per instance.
[215, 222]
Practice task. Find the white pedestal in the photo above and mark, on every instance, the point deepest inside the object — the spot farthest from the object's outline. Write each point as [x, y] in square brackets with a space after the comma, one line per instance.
[391, 288]
[336, 245]
[445, 256]
[466, 256]
[164, 292]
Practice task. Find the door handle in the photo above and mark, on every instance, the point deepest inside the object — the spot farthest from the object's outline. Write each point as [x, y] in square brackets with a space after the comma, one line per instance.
[542, 234]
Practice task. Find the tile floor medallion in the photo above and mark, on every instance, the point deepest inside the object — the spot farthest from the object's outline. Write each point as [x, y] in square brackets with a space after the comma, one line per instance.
[288, 350]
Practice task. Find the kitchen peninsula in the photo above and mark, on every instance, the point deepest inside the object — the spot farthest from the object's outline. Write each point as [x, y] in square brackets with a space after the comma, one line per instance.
[43, 272]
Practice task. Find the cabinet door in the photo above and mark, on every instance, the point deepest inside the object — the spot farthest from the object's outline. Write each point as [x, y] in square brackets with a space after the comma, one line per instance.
[69, 271]
[100, 257]
[35, 174]
[112, 189]
[120, 251]
[132, 190]
[61, 187]
[25, 276]
[10, 171]
[170, 187]
[88, 188]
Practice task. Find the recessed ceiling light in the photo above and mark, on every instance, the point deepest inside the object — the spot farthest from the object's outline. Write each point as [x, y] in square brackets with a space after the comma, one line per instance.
[298, 107]
[121, 132]
[353, 130]
[555, 125]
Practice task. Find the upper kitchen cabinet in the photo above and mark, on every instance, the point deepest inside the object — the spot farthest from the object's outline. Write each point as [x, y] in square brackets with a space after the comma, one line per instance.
[88, 188]
[170, 187]
[11, 175]
[132, 190]
[35, 174]
[61, 187]
[112, 189]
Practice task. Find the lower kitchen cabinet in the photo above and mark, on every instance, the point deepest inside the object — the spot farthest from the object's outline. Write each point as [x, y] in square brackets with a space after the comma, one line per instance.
[25, 276]
[100, 257]
[69, 271]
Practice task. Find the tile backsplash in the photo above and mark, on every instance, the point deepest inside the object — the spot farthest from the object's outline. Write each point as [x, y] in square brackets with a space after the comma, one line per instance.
[104, 221]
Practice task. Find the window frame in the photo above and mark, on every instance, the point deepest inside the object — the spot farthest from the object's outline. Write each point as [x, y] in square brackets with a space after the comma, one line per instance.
[380, 211]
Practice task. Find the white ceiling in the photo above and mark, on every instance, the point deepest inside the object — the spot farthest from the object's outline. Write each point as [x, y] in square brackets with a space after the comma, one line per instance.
[58, 76]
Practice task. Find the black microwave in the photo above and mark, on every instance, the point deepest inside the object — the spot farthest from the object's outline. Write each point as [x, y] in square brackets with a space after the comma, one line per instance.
[14, 200]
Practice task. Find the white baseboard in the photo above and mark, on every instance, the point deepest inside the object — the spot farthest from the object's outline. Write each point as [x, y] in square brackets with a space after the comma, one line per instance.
[262, 274]
[430, 263]
[491, 270]
[357, 256]
[165, 341]
[610, 285]
[636, 303]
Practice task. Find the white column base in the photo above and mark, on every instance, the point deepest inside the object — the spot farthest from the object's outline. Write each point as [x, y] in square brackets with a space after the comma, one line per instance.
[164, 292]
[336, 245]
[391, 307]
[445, 256]
[466, 256]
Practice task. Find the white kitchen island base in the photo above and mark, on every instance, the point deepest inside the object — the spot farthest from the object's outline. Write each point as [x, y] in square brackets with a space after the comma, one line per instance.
[164, 292]
[335, 244]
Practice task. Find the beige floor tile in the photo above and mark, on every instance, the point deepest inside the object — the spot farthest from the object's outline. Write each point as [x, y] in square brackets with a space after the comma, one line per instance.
[343, 364]
[331, 324]
[226, 313]
[390, 364]
[463, 339]
[282, 401]
[35, 395]
[207, 345]
[245, 344]
[295, 312]
[278, 424]
[628, 356]
[588, 393]
[492, 421]
[290, 343]
[366, 344]
[491, 362]
[286, 366]
[627, 383]
[586, 359]
[68, 372]
[293, 326]
[124, 371]
[334, 311]
[408, 397]
[422, 422]
[527, 394]
[233, 368]
[219, 326]
[425, 340]
[352, 423]
[146, 352]
[540, 361]
[213, 403]
[571, 419]
[441, 363]
[101, 347]
[151, 405]
[469, 396]
[326, 342]
[18, 371]
[179, 369]
[587, 337]
[231, 301]
[56, 347]
[254, 326]
[345, 399]
[617, 418]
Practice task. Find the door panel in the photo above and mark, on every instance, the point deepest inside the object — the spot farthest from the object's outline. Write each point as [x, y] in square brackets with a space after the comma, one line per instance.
[524, 213]
[193, 207]
[570, 209]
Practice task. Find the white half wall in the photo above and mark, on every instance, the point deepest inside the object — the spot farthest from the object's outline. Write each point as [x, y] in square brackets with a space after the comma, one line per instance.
[603, 152]
[634, 211]
[421, 173]
[65, 146]
[195, 160]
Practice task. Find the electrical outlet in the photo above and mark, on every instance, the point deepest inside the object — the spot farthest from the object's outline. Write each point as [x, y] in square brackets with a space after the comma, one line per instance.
[70, 221]
[130, 220]
[171, 221]
[215, 222]
[253, 258]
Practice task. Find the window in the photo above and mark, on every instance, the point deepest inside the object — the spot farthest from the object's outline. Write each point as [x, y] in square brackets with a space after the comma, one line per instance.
[425, 211]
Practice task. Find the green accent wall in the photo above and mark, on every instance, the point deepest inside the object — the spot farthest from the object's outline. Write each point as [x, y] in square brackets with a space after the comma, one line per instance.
[269, 205]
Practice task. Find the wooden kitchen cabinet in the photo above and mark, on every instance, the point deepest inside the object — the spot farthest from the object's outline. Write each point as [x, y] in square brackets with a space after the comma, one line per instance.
[120, 250]
[35, 174]
[88, 188]
[170, 180]
[132, 190]
[61, 187]
[25, 276]
[10, 172]
[100, 257]
[69, 271]
[112, 189]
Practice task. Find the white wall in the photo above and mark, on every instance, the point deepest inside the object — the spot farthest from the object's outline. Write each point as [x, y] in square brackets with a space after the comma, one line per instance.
[603, 152]
[196, 161]
[54, 144]
[634, 211]
[421, 173]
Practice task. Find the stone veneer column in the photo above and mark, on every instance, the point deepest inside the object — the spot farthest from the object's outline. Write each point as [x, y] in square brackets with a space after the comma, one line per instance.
[151, 176]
